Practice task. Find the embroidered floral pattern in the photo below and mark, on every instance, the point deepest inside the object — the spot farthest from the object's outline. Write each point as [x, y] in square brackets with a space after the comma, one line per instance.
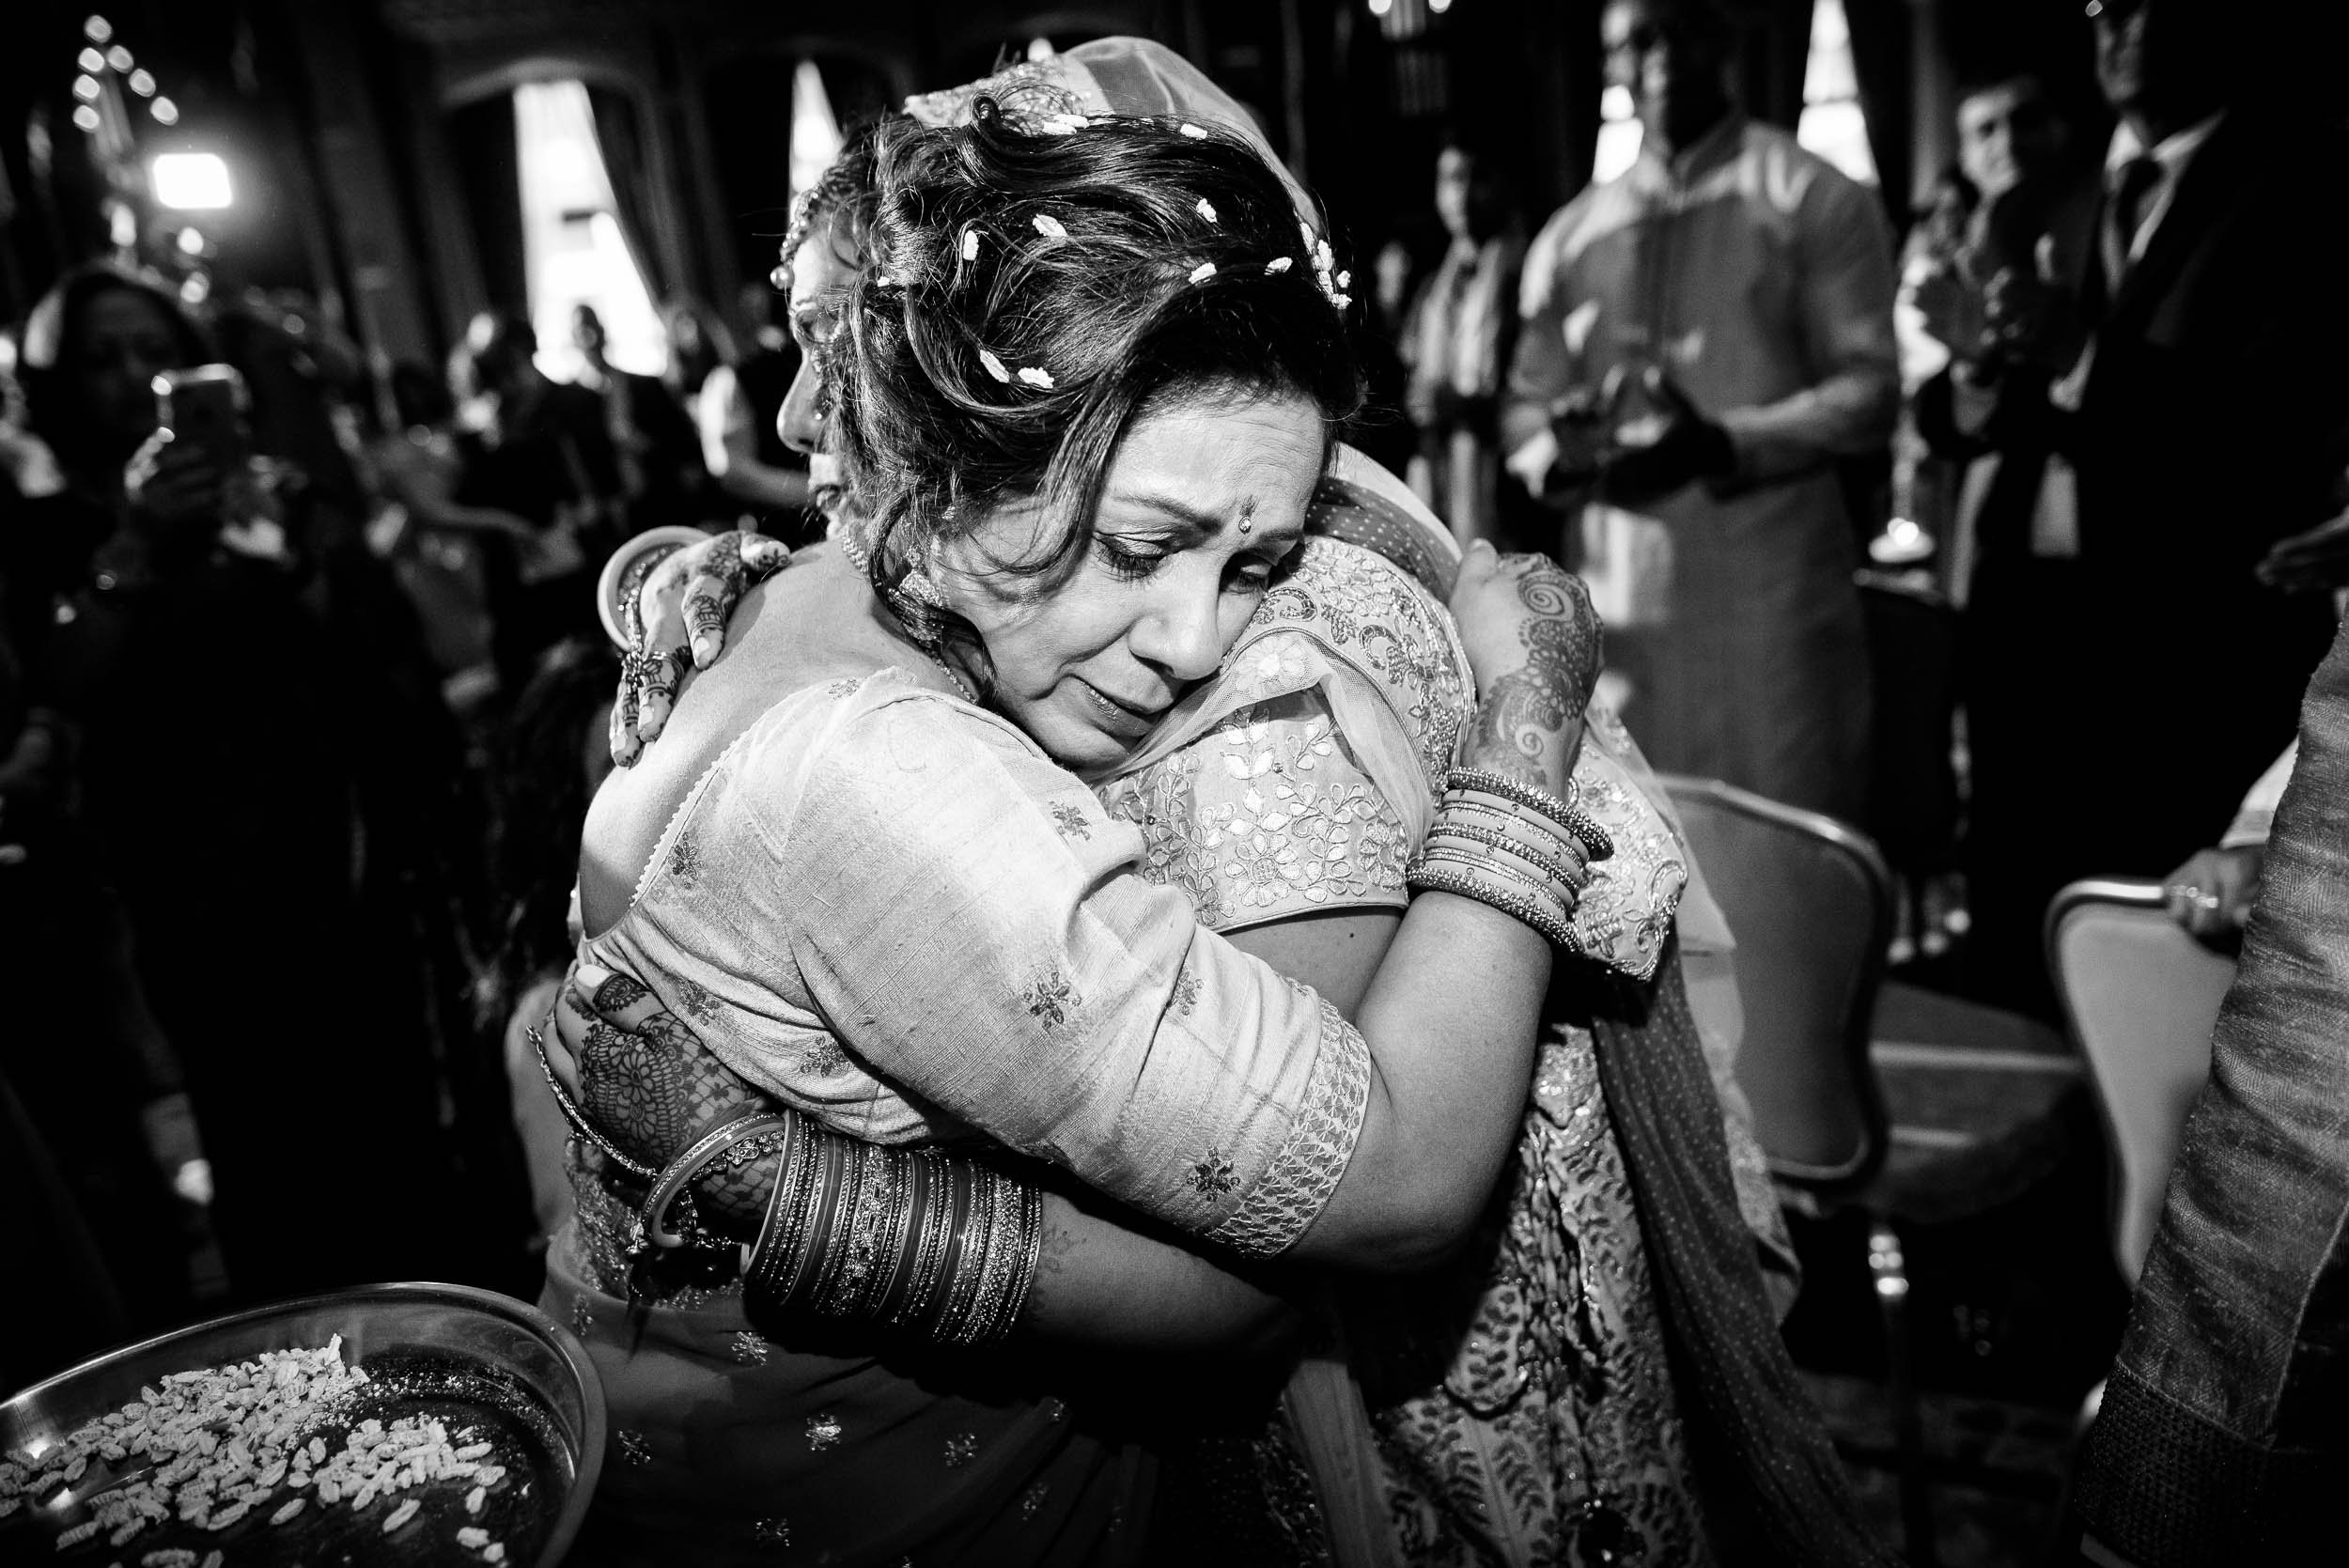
[1211, 1177]
[1185, 997]
[1050, 998]
[685, 858]
[960, 1450]
[748, 1349]
[1031, 1500]
[699, 1002]
[822, 1057]
[823, 1431]
[635, 1449]
[583, 1316]
[1072, 821]
[774, 1531]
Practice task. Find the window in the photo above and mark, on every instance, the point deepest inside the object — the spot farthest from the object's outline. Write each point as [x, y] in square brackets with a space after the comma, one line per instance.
[814, 130]
[1833, 125]
[573, 250]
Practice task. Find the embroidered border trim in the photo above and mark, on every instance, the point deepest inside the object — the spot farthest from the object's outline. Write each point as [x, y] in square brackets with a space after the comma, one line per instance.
[1296, 1187]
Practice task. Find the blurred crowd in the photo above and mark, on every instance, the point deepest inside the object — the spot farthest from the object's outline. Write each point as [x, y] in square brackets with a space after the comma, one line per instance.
[301, 697]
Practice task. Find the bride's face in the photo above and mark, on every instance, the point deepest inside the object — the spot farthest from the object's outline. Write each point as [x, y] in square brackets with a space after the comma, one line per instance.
[1202, 500]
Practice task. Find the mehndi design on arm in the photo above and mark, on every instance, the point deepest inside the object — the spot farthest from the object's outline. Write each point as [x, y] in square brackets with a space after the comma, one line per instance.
[1530, 706]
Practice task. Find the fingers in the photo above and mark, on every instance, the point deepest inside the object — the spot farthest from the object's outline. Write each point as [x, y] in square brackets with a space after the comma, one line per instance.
[619, 1000]
[626, 745]
[711, 596]
[763, 555]
[564, 1036]
[659, 678]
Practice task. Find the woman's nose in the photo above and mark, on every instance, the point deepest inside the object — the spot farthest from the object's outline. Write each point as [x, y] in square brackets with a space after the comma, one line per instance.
[801, 420]
[1181, 633]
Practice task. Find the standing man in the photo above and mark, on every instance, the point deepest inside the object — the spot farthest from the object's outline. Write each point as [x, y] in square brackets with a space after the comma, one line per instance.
[1703, 337]
[1457, 341]
[2149, 668]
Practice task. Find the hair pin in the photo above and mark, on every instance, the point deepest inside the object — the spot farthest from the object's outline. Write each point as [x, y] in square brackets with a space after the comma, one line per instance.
[1280, 264]
[1050, 226]
[1193, 132]
[994, 366]
[969, 244]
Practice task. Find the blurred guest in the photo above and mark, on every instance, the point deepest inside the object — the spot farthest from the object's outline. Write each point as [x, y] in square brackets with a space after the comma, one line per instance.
[1704, 337]
[754, 467]
[542, 450]
[699, 342]
[654, 442]
[1457, 342]
[2157, 431]
[245, 830]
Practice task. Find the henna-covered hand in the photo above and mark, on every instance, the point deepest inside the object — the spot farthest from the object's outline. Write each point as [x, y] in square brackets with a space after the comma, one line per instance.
[650, 1086]
[1535, 644]
[679, 624]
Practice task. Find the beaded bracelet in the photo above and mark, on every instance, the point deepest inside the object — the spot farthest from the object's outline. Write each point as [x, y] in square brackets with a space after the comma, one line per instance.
[1428, 880]
[1574, 877]
[578, 1118]
[1556, 812]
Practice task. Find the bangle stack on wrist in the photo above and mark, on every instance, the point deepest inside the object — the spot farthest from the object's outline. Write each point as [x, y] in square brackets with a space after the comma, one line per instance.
[940, 1244]
[1515, 847]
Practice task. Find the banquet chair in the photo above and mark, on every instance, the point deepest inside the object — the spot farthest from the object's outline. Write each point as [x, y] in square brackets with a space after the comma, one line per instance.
[2140, 996]
[1810, 903]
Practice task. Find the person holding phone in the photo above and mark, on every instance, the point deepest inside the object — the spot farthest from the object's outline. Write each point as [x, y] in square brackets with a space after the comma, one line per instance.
[225, 772]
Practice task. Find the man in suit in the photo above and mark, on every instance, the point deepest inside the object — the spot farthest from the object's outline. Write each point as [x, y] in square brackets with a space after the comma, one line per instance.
[2162, 424]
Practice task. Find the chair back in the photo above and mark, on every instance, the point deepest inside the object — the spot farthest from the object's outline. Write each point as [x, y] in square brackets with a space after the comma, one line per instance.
[1810, 903]
[2140, 996]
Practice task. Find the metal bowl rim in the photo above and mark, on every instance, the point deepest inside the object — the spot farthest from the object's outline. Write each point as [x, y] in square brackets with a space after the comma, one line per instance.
[587, 1465]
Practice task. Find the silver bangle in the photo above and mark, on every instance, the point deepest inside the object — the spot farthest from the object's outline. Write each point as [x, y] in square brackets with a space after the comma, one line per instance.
[672, 1180]
[1428, 880]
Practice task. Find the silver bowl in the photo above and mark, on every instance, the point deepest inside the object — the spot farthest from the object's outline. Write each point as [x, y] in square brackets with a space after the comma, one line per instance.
[510, 1351]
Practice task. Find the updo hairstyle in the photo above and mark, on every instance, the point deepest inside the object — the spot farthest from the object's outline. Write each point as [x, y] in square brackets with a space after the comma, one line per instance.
[1025, 297]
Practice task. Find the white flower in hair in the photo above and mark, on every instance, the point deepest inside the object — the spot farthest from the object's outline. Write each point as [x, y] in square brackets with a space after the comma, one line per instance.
[1033, 377]
[1206, 210]
[969, 244]
[994, 366]
[1202, 273]
[1050, 226]
[1280, 264]
[1064, 124]
[1193, 132]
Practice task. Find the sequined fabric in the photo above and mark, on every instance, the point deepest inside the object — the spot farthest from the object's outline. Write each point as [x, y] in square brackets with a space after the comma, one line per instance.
[1504, 1417]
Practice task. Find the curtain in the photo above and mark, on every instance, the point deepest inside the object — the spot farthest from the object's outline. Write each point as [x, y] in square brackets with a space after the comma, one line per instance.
[1880, 59]
[633, 205]
[488, 173]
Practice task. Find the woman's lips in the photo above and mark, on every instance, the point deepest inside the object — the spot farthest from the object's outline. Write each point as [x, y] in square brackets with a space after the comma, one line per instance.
[1118, 715]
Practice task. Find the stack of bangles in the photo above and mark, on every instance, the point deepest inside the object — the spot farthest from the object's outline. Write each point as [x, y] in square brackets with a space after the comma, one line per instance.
[941, 1245]
[1520, 849]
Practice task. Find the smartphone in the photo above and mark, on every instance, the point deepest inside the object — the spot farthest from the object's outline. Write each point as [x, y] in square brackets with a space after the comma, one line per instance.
[205, 405]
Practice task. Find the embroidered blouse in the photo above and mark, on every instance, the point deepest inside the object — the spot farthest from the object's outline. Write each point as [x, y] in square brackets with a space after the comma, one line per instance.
[889, 909]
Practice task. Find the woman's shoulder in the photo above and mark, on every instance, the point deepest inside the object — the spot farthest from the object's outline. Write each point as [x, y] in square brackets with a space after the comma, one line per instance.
[1372, 622]
[859, 746]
